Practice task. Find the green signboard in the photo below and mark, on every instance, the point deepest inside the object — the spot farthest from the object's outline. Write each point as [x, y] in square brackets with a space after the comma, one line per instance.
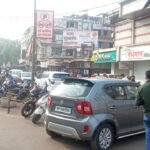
[105, 57]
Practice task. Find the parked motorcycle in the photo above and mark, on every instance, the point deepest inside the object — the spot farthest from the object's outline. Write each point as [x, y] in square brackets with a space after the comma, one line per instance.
[40, 108]
[41, 105]
[35, 93]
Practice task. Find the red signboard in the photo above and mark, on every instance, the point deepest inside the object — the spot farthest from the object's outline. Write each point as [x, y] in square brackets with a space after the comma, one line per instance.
[44, 24]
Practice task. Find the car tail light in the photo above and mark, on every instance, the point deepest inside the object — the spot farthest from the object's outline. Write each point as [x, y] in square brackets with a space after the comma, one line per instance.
[49, 102]
[84, 108]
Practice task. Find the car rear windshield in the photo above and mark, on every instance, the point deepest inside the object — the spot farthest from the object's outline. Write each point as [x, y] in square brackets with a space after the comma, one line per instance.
[45, 75]
[26, 74]
[73, 88]
[60, 76]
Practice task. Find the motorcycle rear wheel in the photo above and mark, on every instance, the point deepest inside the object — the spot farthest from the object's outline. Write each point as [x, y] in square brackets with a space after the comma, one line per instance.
[28, 109]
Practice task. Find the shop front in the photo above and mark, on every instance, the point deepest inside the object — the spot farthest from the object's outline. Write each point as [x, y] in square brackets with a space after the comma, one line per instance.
[139, 57]
[105, 58]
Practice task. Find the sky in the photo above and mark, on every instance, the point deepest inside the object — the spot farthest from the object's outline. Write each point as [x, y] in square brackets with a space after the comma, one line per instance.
[17, 15]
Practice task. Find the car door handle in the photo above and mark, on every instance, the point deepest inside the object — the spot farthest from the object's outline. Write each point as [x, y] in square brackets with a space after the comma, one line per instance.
[112, 107]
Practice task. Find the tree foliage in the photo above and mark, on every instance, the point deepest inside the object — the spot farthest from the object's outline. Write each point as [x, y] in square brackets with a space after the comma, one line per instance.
[9, 51]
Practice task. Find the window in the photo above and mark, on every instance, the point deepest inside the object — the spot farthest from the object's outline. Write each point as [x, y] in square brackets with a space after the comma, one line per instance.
[110, 45]
[105, 32]
[116, 92]
[23, 54]
[99, 32]
[69, 52]
[85, 26]
[60, 76]
[99, 44]
[72, 24]
[73, 88]
[132, 90]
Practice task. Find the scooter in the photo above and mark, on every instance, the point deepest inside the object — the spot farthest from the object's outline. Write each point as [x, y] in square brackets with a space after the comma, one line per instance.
[40, 108]
[41, 105]
[35, 94]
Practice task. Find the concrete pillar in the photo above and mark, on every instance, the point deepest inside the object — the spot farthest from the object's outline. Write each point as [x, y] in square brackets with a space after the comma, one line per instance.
[112, 68]
[131, 72]
[133, 32]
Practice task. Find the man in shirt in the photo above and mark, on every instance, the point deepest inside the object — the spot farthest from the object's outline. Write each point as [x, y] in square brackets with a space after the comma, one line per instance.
[143, 98]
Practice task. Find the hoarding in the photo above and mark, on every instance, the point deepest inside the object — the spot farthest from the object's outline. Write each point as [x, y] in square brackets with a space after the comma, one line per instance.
[76, 39]
[44, 24]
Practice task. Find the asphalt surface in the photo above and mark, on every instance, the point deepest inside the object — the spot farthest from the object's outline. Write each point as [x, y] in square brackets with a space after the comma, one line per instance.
[18, 133]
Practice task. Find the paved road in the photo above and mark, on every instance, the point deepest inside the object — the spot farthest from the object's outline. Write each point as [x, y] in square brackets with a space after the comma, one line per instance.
[17, 133]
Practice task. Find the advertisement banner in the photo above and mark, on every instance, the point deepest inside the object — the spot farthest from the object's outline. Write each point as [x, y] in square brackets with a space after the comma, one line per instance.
[44, 24]
[105, 57]
[135, 53]
[76, 39]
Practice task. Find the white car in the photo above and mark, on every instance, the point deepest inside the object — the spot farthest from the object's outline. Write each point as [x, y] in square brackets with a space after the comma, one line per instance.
[26, 76]
[52, 77]
[15, 72]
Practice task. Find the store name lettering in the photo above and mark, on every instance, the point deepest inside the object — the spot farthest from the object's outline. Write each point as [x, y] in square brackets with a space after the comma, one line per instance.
[103, 57]
[136, 54]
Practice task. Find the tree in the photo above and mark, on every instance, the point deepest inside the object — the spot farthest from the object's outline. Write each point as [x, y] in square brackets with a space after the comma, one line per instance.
[9, 51]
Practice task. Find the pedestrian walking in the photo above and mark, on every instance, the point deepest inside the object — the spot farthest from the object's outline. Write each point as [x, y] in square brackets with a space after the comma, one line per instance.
[133, 78]
[143, 98]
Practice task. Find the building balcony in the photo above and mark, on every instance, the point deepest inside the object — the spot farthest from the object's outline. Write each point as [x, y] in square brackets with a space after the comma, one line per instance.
[105, 38]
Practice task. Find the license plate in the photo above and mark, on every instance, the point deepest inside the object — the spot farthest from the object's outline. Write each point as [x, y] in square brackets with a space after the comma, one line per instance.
[64, 110]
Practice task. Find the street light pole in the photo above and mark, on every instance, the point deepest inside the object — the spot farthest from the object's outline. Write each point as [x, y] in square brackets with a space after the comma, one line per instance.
[34, 44]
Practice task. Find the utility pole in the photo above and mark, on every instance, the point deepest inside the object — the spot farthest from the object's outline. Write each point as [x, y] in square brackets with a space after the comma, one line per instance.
[34, 44]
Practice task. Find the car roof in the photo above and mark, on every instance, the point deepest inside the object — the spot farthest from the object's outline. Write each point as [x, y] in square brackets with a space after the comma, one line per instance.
[52, 72]
[16, 70]
[25, 72]
[103, 80]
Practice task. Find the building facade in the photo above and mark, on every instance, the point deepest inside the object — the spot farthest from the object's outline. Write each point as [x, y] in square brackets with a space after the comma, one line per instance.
[54, 55]
[132, 38]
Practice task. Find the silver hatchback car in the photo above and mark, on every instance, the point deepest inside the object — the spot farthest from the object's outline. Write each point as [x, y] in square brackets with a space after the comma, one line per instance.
[96, 110]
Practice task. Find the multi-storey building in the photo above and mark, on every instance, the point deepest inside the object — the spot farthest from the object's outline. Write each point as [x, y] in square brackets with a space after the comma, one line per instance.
[132, 38]
[53, 55]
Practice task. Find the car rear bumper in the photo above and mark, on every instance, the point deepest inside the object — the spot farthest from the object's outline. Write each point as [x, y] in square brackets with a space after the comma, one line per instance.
[71, 127]
[63, 130]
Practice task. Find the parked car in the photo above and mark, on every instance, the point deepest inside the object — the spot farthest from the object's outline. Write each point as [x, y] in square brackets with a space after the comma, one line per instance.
[15, 72]
[52, 77]
[26, 76]
[98, 110]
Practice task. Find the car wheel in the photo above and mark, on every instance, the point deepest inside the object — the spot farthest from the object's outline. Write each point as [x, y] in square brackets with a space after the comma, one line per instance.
[103, 138]
[52, 134]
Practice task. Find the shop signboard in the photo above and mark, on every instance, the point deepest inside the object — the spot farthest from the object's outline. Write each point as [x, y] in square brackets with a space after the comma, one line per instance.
[125, 65]
[76, 39]
[105, 57]
[102, 27]
[135, 53]
[44, 24]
